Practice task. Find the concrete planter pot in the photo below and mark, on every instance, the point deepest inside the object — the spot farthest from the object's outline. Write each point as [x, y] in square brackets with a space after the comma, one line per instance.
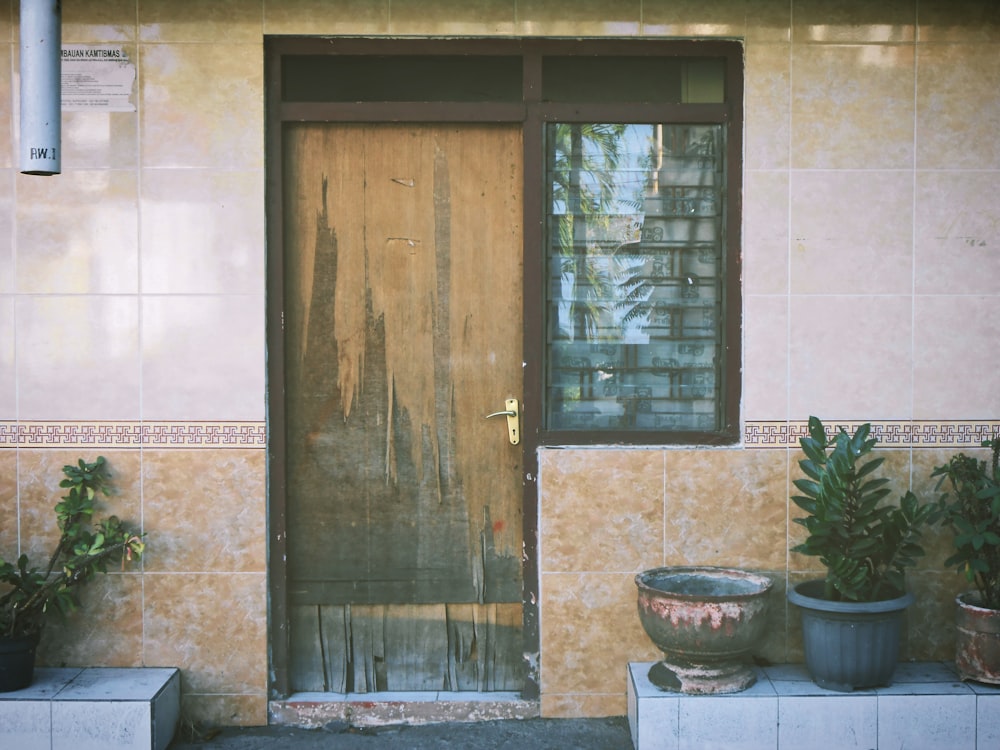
[706, 621]
[977, 645]
[849, 645]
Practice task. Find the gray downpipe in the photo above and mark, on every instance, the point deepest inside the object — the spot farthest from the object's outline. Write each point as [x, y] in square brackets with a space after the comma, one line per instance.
[41, 38]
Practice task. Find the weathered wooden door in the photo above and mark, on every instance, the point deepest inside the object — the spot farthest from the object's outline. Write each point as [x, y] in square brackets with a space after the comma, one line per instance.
[402, 247]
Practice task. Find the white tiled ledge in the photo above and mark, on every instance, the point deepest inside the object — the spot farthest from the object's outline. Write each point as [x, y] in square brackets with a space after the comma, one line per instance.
[926, 707]
[92, 709]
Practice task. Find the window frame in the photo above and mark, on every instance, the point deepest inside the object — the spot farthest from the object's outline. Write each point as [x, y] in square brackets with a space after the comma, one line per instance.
[539, 113]
[532, 114]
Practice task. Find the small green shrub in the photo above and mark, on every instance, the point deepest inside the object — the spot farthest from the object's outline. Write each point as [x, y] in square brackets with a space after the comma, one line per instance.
[864, 543]
[84, 549]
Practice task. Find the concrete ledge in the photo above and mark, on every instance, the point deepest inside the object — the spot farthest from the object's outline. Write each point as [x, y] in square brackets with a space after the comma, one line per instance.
[926, 707]
[312, 710]
[92, 709]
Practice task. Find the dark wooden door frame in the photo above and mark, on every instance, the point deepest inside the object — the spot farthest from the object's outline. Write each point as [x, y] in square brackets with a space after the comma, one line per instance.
[532, 113]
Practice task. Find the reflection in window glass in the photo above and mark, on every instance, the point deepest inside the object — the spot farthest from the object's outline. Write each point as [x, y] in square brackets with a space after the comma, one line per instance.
[634, 244]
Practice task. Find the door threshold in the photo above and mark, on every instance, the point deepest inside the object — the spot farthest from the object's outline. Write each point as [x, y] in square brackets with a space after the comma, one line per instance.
[315, 710]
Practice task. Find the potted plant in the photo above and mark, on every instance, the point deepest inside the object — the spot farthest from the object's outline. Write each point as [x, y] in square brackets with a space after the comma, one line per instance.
[852, 618]
[971, 508]
[706, 620]
[30, 594]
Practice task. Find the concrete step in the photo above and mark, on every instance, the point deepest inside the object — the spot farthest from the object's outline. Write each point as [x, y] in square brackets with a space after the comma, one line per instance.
[926, 707]
[92, 709]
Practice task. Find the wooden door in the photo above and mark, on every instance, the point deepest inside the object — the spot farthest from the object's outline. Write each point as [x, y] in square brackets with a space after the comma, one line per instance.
[403, 325]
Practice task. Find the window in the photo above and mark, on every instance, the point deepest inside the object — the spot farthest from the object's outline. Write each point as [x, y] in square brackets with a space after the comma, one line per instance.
[641, 289]
[634, 294]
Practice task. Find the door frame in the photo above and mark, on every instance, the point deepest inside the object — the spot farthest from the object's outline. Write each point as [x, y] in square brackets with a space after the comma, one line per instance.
[531, 113]
[277, 113]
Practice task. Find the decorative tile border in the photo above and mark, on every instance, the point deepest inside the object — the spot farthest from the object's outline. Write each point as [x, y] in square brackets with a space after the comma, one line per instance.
[890, 434]
[893, 434]
[133, 435]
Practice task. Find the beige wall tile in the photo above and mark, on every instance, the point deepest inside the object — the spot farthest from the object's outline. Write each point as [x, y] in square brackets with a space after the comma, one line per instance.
[590, 630]
[861, 369]
[8, 380]
[98, 21]
[77, 233]
[7, 223]
[601, 510]
[105, 632]
[202, 231]
[957, 111]
[773, 644]
[767, 102]
[202, 105]
[957, 232]
[328, 16]
[583, 17]
[203, 357]
[834, 124]
[100, 140]
[77, 357]
[39, 473]
[221, 21]
[8, 505]
[854, 21]
[212, 626]
[955, 357]
[765, 358]
[205, 510]
[8, 154]
[224, 710]
[710, 495]
[471, 17]
[585, 705]
[690, 18]
[852, 232]
[960, 21]
[765, 232]
[38, 476]
[930, 624]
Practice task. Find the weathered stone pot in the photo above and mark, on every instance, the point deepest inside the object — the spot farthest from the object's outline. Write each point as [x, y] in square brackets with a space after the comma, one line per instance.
[706, 621]
[977, 646]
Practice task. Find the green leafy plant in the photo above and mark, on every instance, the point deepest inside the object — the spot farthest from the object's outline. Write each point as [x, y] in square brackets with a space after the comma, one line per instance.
[865, 543]
[972, 509]
[84, 549]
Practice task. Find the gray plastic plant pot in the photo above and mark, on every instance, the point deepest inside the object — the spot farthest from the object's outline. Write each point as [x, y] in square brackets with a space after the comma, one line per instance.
[849, 645]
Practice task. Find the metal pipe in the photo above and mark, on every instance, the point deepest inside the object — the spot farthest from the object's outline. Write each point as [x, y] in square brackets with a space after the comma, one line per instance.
[41, 113]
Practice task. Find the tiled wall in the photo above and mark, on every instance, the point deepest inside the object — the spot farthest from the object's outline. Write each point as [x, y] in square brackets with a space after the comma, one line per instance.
[132, 314]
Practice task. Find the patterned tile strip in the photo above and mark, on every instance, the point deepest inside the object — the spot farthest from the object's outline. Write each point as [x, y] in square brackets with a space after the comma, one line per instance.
[133, 435]
[890, 434]
[773, 434]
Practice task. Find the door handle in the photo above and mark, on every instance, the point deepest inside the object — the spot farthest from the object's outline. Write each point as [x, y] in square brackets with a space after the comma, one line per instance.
[513, 420]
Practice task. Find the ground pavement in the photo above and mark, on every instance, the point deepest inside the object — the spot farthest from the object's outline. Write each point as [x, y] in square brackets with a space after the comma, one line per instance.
[508, 734]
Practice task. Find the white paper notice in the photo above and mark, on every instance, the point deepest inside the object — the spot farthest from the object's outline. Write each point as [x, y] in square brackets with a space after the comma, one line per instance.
[97, 78]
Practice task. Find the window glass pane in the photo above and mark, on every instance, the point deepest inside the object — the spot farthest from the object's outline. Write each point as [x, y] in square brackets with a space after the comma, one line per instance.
[671, 80]
[634, 246]
[401, 78]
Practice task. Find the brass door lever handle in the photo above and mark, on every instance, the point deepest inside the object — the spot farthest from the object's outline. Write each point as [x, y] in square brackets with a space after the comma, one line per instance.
[513, 420]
